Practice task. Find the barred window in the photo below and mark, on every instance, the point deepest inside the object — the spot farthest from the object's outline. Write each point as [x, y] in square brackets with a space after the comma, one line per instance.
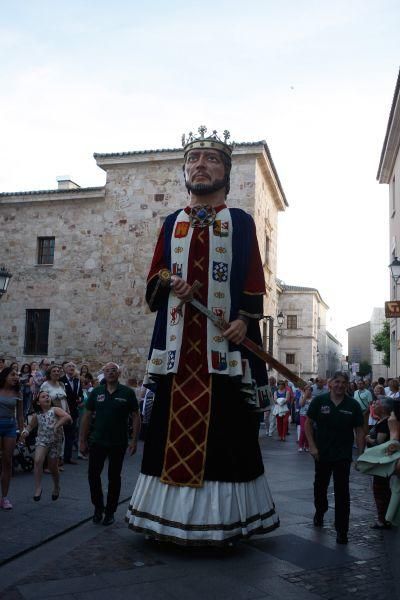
[37, 331]
[291, 321]
[290, 359]
[46, 250]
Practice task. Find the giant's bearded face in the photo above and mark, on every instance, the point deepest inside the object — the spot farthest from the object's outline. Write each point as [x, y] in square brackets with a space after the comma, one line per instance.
[206, 171]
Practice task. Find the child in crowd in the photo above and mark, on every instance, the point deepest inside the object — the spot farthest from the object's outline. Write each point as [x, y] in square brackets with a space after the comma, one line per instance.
[49, 438]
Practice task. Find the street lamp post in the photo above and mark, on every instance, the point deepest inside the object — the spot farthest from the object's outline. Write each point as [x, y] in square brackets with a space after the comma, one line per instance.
[5, 277]
[395, 273]
[280, 317]
[270, 320]
[395, 269]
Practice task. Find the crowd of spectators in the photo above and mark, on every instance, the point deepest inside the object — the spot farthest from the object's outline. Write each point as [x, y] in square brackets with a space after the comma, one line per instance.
[379, 402]
[44, 403]
[48, 401]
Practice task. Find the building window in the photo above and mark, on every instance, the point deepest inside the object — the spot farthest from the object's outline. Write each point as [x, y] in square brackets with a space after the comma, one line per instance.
[46, 250]
[290, 359]
[291, 321]
[267, 250]
[37, 331]
[159, 197]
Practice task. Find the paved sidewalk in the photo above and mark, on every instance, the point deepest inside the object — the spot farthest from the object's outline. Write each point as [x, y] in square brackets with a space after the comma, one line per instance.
[31, 523]
[295, 562]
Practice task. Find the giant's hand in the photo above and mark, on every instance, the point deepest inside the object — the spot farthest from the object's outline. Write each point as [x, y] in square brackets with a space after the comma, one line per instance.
[236, 331]
[181, 288]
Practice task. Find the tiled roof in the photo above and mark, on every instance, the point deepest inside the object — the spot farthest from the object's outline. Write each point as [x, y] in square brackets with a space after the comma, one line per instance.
[296, 288]
[40, 192]
[171, 150]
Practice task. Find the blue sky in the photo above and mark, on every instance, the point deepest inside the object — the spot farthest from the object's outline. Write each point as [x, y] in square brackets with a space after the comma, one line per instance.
[315, 79]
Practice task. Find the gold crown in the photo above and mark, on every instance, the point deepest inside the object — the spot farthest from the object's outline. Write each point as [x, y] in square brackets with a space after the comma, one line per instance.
[211, 141]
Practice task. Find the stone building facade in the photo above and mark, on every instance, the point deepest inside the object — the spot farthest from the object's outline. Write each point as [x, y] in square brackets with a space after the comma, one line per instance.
[389, 173]
[103, 240]
[305, 345]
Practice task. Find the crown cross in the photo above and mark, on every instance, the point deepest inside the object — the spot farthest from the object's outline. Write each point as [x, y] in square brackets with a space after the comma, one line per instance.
[202, 131]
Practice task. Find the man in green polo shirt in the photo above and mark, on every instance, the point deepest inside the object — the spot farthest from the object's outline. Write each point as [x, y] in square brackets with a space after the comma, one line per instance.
[331, 421]
[112, 404]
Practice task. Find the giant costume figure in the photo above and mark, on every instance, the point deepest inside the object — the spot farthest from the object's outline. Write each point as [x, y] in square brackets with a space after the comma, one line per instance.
[202, 479]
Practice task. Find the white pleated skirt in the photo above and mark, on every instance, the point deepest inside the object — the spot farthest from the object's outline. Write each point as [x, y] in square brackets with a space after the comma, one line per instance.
[215, 514]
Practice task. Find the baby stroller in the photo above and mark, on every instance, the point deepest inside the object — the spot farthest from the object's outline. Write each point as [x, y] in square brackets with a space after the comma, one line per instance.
[21, 456]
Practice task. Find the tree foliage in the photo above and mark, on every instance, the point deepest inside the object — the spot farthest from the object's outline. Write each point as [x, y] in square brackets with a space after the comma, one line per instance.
[381, 343]
[365, 368]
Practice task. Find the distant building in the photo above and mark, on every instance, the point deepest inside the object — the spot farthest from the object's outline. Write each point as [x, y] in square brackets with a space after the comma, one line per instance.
[360, 346]
[334, 355]
[80, 256]
[359, 343]
[389, 172]
[305, 345]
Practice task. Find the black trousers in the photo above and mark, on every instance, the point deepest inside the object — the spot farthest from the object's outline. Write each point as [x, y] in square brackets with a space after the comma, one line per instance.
[341, 473]
[97, 457]
[69, 435]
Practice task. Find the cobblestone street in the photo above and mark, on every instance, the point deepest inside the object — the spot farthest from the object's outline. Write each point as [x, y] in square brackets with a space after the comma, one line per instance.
[83, 561]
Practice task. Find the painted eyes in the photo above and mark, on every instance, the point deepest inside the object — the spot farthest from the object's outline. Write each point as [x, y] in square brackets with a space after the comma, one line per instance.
[211, 158]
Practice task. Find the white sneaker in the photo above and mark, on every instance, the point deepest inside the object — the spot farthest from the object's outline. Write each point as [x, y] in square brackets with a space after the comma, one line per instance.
[300, 450]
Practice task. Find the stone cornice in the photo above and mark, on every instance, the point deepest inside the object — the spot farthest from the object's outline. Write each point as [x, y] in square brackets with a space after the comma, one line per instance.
[292, 289]
[122, 159]
[333, 339]
[74, 195]
[260, 148]
[391, 143]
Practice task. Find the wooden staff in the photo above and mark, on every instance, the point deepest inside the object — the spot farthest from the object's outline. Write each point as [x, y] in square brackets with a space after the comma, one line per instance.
[165, 277]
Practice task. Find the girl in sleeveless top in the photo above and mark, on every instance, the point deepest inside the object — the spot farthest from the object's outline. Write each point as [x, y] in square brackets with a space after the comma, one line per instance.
[49, 441]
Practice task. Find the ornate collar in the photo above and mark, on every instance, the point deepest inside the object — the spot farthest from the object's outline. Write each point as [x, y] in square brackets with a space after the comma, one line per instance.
[202, 215]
